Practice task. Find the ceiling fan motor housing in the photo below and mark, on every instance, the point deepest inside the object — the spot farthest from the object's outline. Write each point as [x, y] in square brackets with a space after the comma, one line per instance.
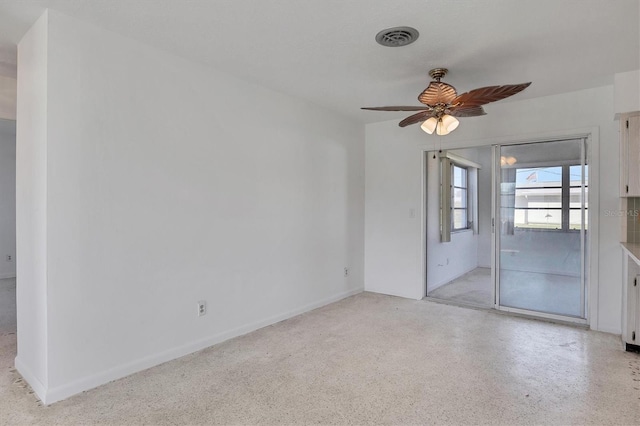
[438, 73]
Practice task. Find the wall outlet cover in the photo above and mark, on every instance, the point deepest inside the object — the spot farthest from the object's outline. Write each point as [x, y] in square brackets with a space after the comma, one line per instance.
[202, 308]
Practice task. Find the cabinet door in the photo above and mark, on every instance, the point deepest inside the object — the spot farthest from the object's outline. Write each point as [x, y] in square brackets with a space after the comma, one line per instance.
[632, 160]
[624, 148]
[630, 332]
[635, 293]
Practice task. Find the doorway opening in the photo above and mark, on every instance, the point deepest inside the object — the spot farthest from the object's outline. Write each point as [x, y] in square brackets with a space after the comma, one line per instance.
[507, 227]
[459, 186]
[542, 219]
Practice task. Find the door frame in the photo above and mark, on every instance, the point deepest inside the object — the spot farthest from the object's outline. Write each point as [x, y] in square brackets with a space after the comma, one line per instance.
[593, 157]
[495, 240]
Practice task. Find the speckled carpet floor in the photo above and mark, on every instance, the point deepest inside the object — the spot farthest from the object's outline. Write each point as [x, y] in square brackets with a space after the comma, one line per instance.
[368, 359]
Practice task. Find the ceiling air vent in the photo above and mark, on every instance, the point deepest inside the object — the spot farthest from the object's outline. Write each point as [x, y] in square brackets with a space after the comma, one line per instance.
[398, 36]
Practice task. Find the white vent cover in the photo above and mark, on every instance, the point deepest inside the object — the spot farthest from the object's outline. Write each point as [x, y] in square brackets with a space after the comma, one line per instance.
[397, 36]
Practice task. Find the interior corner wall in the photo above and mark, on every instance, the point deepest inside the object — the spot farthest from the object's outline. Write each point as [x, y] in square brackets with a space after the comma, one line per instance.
[169, 183]
[8, 197]
[394, 178]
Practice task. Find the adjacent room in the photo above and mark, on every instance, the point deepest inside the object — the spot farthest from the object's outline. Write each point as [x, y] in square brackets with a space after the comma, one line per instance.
[532, 241]
[459, 262]
[327, 212]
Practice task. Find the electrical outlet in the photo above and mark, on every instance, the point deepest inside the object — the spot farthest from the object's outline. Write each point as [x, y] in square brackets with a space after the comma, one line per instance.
[9, 258]
[346, 271]
[202, 308]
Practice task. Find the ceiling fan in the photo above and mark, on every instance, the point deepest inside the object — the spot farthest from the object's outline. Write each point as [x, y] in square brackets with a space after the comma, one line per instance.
[442, 104]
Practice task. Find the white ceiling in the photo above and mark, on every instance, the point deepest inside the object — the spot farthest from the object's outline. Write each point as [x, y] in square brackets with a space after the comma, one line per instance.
[324, 50]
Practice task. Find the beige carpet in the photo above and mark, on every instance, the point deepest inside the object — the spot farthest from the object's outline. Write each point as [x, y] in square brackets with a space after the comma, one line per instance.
[369, 359]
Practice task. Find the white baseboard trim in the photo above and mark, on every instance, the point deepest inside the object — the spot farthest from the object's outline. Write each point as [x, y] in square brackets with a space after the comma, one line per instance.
[611, 330]
[7, 275]
[31, 379]
[59, 393]
[386, 292]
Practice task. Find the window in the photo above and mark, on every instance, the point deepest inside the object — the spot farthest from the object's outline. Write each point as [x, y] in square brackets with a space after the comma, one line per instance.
[458, 195]
[573, 210]
[459, 198]
[549, 197]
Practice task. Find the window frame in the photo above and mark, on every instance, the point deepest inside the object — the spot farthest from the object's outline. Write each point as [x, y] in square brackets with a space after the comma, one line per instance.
[466, 190]
[447, 159]
[565, 199]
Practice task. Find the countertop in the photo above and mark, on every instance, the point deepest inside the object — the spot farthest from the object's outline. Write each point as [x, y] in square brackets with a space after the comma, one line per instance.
[633, 249]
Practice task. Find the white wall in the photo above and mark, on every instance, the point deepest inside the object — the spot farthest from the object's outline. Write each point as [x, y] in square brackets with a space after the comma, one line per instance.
[393, 242]
[393, 191]
[31, 208]
[626, 92]
[7, 198]
[170, 183]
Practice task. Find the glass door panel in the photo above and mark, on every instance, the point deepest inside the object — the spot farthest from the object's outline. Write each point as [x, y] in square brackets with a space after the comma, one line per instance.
[541, 221]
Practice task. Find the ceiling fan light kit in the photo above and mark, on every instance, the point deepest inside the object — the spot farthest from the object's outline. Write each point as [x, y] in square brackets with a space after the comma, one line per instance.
[443, 126]
[442, 104]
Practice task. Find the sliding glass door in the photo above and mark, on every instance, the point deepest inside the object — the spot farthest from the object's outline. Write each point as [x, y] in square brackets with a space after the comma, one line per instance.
[541, 227]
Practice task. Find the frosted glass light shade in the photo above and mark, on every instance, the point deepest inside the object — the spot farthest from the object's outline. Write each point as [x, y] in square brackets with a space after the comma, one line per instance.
[448, 124]
[444, 126]
[429, 125]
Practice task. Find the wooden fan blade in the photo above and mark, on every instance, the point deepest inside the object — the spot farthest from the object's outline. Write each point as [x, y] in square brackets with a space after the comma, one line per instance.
[415, 118]
[467, 111]
[484, 95]
[438, 93]
[397, 108]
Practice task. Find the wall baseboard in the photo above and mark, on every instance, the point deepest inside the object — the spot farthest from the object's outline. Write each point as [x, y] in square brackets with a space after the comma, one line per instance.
[30, 378]
[606, 329]
[386, 292]
[58, 393]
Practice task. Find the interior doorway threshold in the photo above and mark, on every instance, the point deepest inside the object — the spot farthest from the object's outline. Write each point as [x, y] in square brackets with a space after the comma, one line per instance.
[506, 313]
[459, 303]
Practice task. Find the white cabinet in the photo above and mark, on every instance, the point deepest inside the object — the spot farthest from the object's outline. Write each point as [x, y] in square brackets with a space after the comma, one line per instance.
[631, 298]
[630, 155]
